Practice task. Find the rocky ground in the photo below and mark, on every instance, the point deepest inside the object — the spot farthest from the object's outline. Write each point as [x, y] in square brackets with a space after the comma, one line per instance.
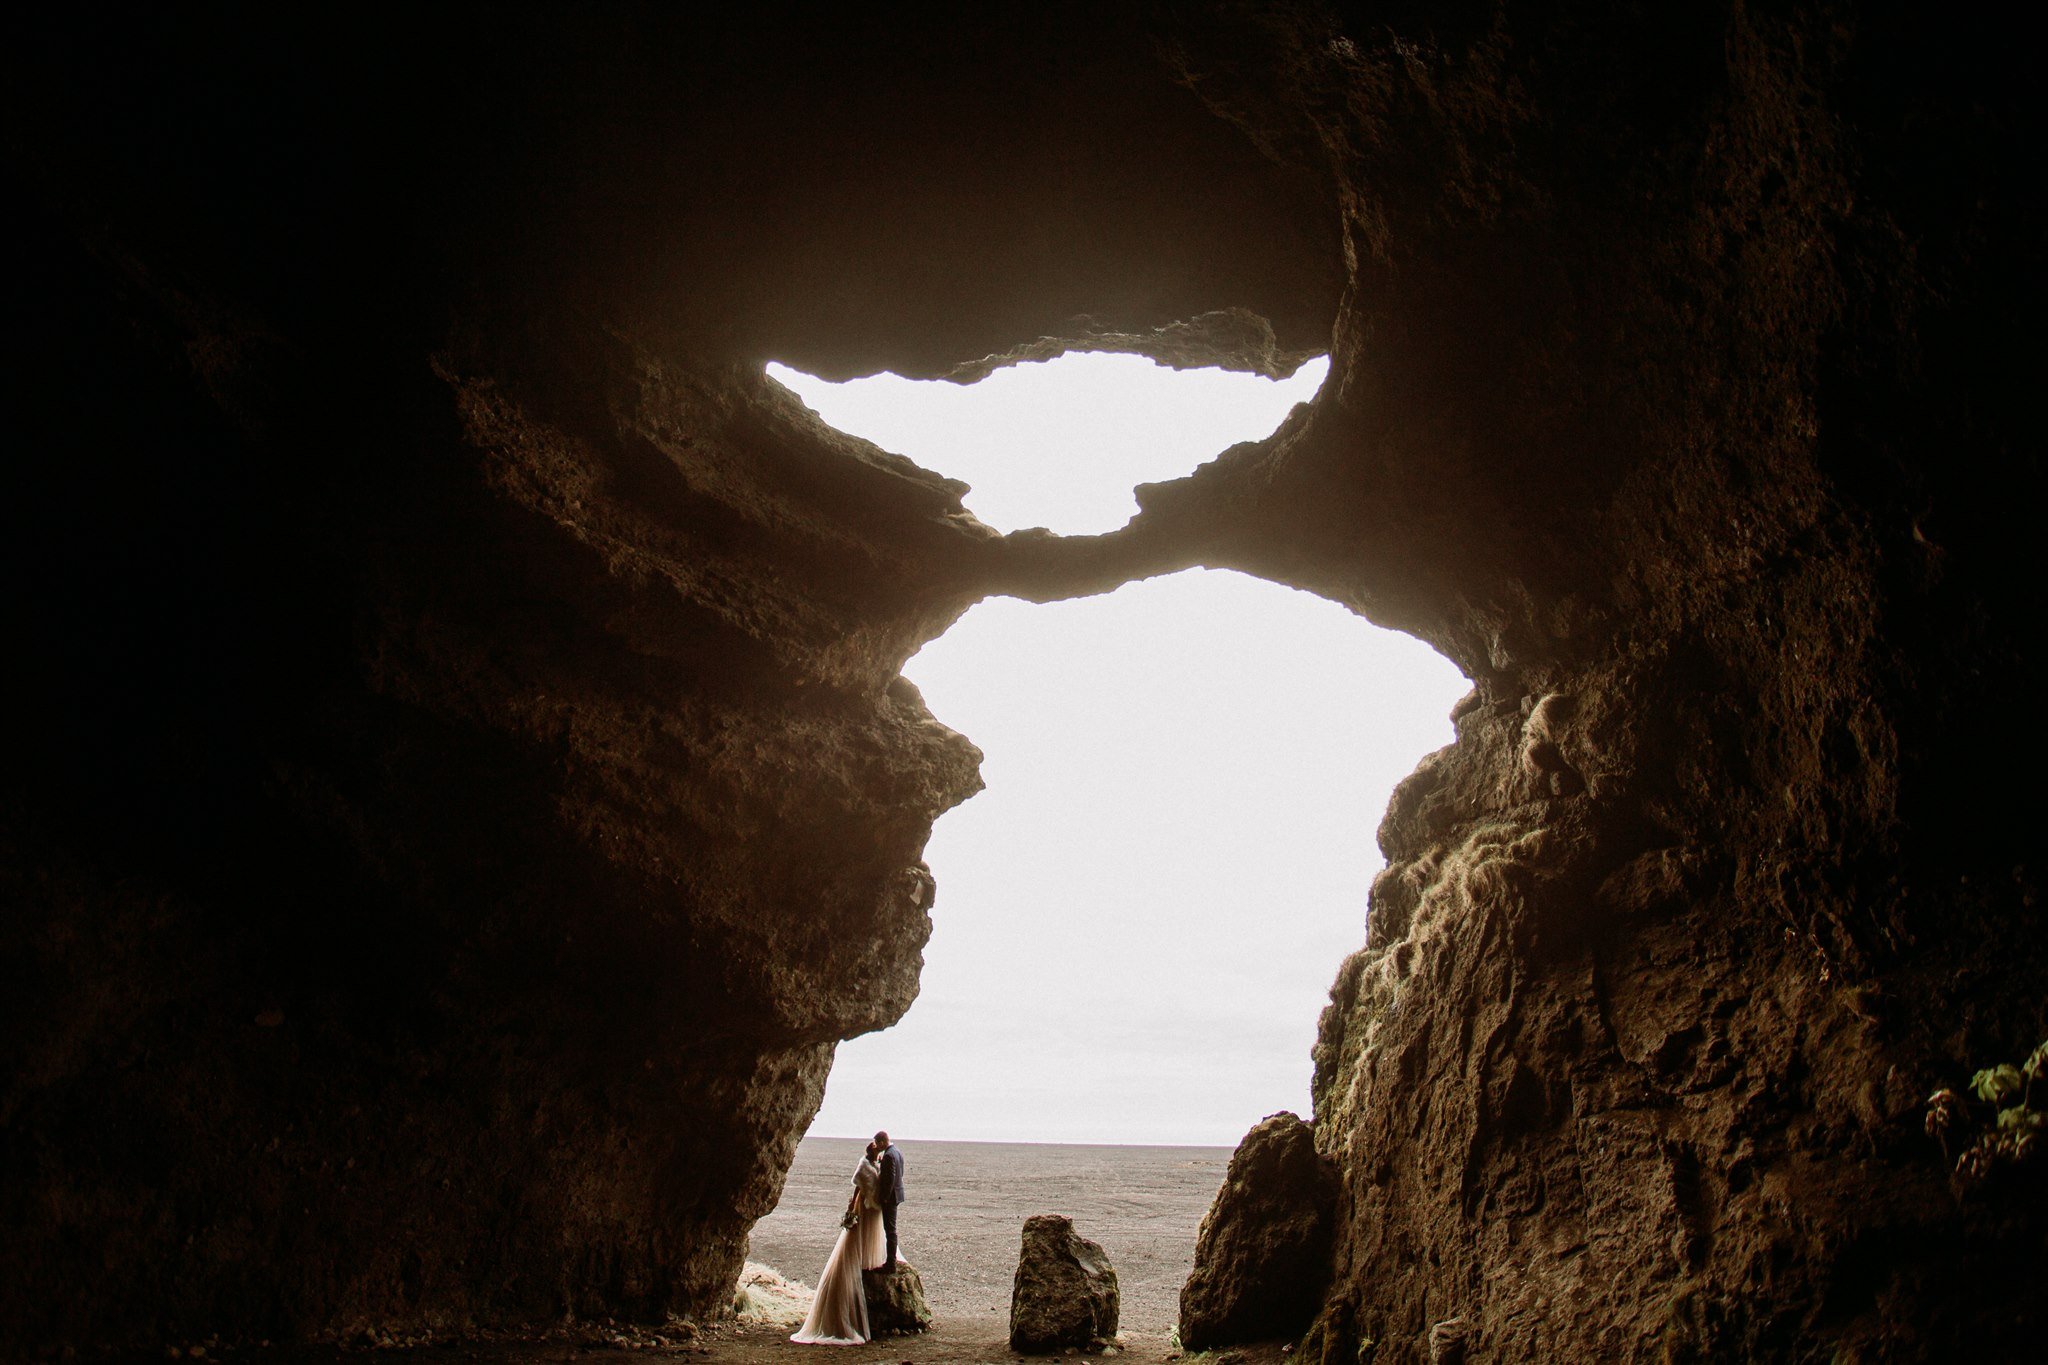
[951, 1342]
[962, 1228]
[955, 1342]
[968, 1202]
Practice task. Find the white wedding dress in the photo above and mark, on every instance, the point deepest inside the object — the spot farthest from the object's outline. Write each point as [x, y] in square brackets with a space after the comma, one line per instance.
[839, 1313]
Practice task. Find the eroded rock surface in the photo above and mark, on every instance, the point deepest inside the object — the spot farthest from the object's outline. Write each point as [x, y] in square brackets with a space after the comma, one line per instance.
[460, 730]
[1652, 396]
[505, 849]
[1262, 1257]
[896, 1302]
[1065, 1295]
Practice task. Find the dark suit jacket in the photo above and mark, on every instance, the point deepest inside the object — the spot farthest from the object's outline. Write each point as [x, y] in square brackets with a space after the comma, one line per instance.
[890, 1189]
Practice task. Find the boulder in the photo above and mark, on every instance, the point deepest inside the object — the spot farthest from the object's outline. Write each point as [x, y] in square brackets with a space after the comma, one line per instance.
[1262, 1257]
[896, 1303]
[1065, 1293]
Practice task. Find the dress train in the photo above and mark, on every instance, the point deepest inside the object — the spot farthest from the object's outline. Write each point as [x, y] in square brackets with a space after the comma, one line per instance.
[839, 1311]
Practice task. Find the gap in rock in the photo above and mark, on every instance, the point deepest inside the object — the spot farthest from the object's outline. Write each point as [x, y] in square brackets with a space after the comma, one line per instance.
[1139, 920]
[1061, 443]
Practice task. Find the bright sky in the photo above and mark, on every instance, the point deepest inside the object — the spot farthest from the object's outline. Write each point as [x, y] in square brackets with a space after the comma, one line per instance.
[1140, 918]
[1061, 443]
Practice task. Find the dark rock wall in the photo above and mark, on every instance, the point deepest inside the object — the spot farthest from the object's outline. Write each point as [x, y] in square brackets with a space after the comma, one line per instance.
[1672, 346]
[462, 790]
[456, 810]
[461, 787]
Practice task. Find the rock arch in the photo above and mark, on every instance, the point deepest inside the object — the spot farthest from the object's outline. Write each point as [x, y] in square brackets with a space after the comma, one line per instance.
[463, 699]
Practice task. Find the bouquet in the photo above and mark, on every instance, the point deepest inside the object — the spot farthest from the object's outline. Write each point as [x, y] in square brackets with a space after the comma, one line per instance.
[852, 1218]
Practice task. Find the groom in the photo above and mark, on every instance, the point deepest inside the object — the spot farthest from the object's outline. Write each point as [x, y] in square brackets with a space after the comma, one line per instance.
[889, 1191]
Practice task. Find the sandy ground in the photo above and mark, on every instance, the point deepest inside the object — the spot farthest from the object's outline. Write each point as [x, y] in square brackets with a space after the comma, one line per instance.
[961, 1228]
[964, 1220]
[951, 1343]
[758, 1344]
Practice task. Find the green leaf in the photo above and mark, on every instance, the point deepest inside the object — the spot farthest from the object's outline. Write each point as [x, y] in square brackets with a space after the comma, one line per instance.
[1998, 1083]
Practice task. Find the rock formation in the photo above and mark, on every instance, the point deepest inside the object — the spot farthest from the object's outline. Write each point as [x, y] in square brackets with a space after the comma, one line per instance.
[896, 1302]
[1065, 1295]
[458, 711]
[1262, 1258]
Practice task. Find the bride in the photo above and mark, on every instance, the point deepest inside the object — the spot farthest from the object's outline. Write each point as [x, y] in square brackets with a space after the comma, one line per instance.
[839, 1313]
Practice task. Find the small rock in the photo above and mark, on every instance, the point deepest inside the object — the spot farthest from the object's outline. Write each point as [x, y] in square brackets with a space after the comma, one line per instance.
[896, 1302]
[1447, 1342]
[1065, 1293]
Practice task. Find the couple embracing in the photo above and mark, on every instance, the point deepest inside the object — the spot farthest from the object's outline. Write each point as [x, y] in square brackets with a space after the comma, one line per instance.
[867, 1241]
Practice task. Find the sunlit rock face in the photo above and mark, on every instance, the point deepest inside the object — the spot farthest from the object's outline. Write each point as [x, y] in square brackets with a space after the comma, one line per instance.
[464, 787]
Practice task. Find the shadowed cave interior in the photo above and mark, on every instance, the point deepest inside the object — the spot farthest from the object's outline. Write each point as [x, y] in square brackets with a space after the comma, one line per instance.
[459, 699]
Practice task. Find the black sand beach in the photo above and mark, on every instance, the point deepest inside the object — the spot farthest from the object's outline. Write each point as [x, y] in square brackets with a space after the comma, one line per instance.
[968, 1202]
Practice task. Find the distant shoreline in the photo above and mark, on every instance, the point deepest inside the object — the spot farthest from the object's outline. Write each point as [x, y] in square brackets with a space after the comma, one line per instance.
[908, 1138]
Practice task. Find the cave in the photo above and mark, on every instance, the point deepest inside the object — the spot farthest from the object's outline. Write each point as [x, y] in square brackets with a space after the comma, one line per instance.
[458, 692]
[1164, 767]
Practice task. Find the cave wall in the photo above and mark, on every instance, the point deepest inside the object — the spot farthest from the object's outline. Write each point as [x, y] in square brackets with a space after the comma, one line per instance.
[455, 813]
[1673, 398]
[464, 789]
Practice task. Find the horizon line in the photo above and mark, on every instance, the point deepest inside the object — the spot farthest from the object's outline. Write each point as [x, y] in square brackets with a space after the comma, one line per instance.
[1024, 1142]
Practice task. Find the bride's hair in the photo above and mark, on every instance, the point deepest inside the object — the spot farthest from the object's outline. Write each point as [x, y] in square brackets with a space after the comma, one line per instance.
[871, 1151]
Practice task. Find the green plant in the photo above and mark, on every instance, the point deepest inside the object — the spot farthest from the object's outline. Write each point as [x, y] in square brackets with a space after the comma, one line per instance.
[2011, 1134]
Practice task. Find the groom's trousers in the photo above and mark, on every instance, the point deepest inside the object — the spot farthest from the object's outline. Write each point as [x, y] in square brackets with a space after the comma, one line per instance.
[889, 1231]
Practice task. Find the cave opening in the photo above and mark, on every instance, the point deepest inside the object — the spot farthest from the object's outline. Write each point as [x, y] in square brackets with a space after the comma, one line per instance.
[1140, 917]
[1061, 443]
